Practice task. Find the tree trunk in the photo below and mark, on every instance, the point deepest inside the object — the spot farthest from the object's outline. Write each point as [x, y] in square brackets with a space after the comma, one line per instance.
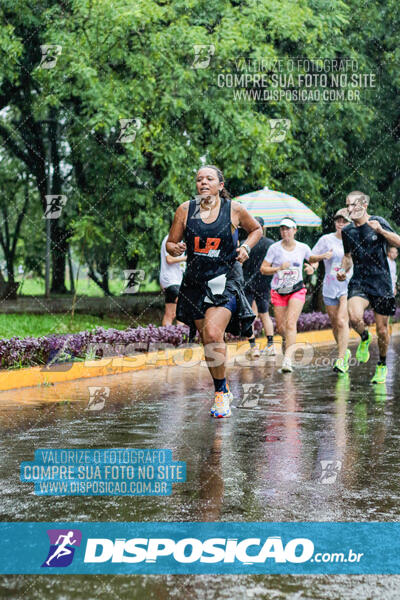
[59, 232]
[59, 246]
[10, 268]
[71, 272]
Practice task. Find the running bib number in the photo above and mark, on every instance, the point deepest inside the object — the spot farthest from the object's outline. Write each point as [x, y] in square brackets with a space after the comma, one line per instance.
[285, 280]
[217, 286]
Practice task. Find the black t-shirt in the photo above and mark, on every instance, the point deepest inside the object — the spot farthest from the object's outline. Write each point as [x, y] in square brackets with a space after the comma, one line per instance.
[369, 253]
[251, 268]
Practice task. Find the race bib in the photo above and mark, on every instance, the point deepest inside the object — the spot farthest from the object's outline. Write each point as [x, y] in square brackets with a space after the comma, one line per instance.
[217, 286]
[285, 280]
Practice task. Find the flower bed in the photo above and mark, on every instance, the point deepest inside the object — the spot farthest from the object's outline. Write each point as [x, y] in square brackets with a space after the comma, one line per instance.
[21, 352]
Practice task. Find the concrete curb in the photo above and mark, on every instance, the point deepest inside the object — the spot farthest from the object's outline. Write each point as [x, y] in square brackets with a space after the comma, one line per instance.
[185, 355]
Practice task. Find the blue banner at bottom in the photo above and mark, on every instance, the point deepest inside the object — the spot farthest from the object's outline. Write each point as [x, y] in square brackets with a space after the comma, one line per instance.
[199, 548]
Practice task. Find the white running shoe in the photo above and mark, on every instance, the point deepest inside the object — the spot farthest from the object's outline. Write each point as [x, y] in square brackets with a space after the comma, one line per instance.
[286, 365]
[270, 350]
[253, 352]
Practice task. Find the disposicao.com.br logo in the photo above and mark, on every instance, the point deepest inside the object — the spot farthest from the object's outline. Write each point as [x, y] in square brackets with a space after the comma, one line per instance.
[191, 550]
[200, 548]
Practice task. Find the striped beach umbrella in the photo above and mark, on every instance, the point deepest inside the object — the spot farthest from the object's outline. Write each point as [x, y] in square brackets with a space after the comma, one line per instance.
[273, 206]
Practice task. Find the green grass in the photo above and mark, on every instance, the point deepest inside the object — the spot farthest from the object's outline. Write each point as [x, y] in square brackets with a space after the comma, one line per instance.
[25, 325]
[86, 287]
[30, 325]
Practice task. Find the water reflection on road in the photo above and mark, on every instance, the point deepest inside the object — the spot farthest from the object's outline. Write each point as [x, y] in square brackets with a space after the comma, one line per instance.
[306, 446]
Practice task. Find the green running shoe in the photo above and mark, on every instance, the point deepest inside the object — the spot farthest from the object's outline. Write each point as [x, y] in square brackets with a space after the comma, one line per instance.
[380, 374]
[362, 354]
[342, 364]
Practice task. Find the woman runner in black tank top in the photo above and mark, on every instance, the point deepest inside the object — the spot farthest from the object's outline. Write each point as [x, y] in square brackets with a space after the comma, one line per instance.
[211, 297]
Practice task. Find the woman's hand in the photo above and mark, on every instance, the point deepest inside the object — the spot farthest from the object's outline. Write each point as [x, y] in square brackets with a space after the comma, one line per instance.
[176, 249]
[285, 265]
[309, 269]
[242, 255]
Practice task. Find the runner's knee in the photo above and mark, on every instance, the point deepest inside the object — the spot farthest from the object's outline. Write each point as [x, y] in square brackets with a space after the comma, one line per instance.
[382, 329]
[341, 323]
[212, 335]
[355, 319]
[291, 324]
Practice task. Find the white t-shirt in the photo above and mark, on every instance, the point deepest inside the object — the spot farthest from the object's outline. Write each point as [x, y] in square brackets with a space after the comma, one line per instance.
[287, 278]
[332, 288]
[392, 267]
[169, 274]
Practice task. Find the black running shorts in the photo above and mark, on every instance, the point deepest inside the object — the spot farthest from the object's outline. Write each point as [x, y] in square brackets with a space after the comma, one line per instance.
[382, 305]
[262, 298]
[171, 294]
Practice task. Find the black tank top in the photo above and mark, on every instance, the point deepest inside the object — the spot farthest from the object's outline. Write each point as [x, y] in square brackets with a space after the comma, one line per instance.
[210, 247]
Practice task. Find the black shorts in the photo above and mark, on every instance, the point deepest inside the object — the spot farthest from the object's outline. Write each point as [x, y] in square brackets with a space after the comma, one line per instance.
[171, 294]
[262, 298]
[382, 305]
[192, 306]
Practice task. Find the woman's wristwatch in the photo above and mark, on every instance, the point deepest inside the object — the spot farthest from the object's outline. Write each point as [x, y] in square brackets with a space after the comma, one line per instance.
[246, 247]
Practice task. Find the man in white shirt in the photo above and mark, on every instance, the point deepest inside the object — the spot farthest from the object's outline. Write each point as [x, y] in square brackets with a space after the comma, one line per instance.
[171, 273]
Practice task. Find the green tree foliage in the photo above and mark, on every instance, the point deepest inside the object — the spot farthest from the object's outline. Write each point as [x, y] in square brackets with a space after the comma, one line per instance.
[125, 60]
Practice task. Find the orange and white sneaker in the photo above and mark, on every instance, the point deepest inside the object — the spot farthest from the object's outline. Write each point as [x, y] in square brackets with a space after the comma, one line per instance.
[214, 406]
[221, 406]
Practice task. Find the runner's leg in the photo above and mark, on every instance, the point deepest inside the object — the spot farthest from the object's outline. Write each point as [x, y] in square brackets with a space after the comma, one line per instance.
[199, 326]
[356, 306]
[295, 306]
[280, 317]
[169, 314]
[342, 327]
[213, 330]
[254, 351]
[382, 331]
[333, 314]
[339, 318]
[267, 323]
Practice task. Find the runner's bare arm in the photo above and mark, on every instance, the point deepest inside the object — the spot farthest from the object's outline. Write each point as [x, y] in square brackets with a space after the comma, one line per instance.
[267, 268]
[310, 268]
[390, 236]
[242, 218]
[174, 244]
[171, 260]
[314, 258]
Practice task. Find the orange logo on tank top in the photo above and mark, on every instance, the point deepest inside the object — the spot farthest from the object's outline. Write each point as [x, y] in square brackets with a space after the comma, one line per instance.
[210, 249]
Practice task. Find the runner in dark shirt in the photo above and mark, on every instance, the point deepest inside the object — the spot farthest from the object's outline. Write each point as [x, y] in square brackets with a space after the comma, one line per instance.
[365, 243]
[257, 288]
[211, 296]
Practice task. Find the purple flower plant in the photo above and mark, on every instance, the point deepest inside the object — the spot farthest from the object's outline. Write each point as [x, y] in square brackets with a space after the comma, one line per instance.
[29, 351]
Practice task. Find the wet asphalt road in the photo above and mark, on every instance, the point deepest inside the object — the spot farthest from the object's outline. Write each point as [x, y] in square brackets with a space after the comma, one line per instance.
[263, 464]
